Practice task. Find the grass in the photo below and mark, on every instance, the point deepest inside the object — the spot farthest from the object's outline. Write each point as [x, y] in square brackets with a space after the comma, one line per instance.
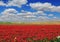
[5, 22]
[38, 23]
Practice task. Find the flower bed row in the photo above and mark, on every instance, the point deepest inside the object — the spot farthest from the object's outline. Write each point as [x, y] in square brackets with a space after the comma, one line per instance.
[26, 33]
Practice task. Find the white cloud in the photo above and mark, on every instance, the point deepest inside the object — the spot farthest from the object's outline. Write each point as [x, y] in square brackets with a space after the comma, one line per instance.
[2, 4]
[40, 13]
[23, 11]
[43, 18]
[13, 15]
[29, 16]
[24, 16]
[9, 11]
[17, 3]
[33, 13]
[55, 17]
[45, 7]
[50, 14]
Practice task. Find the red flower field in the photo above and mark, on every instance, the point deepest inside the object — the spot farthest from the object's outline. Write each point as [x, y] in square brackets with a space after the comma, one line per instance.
[23, 32]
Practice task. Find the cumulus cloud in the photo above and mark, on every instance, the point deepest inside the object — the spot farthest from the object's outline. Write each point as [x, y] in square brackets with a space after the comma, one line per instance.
[54, 17]
[13, 15]
[2, 4]
[17, 3]
[43, 18]
[51, 15]
[45, 7]
[27, 16]
[9, 11]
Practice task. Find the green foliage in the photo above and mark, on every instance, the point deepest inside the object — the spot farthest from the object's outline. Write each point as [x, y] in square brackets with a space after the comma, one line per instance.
[44, 40]
[31, 40]
[5, 22]
[2, 40]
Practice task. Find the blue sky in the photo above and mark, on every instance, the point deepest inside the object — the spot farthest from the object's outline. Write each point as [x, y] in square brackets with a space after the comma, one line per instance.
[29, 10]
[54, 2]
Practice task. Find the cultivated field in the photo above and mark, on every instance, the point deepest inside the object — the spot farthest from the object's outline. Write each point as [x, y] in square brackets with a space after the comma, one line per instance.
[33, 23]
[28, 33]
